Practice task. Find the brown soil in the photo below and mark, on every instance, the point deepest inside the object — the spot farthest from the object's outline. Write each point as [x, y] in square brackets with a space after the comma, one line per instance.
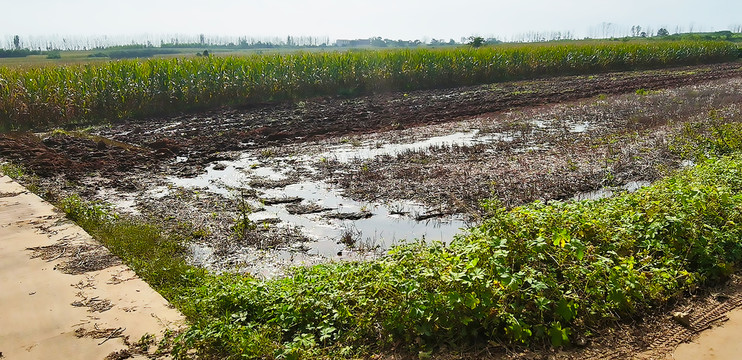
[76, 156]
[237, 129]
[626, 141]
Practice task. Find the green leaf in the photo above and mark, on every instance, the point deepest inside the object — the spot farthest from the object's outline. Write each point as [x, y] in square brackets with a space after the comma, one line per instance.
[471, 300]
[564, 310]
[558, 335]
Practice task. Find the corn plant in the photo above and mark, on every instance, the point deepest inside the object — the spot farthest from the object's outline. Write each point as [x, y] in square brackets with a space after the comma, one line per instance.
[39, 97]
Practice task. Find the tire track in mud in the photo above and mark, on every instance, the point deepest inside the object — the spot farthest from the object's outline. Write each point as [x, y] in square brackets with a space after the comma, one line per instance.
[396, 111]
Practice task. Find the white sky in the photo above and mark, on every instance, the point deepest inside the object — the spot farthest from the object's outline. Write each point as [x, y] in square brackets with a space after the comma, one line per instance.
[395, 19]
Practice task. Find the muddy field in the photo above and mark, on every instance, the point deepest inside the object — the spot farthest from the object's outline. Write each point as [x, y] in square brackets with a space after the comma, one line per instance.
[331, 179]
[334, 178]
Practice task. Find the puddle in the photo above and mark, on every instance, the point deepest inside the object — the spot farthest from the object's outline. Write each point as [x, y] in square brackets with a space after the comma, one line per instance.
[122, 202]
[389, 224]
[201, 255]
[632, 186]
[572, 127]
[162, 129]
[579, 127]
[224, 177]
[157, 192]
[369, 150]
[338, 226]
[608, 192]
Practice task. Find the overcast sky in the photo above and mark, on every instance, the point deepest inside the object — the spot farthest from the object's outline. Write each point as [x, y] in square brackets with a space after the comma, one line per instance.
[349, 19]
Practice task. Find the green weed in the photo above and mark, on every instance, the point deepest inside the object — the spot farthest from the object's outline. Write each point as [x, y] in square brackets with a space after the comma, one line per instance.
[537, 273]
[540, 273]
[643, 92]
[714, 137]
[243, 226]
[155, 257]
[12, 170]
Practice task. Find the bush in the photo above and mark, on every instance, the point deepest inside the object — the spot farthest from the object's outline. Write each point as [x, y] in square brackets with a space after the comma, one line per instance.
[15, 53]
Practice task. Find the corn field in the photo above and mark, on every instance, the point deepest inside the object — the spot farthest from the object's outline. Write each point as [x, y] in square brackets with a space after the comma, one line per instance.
[50, 96]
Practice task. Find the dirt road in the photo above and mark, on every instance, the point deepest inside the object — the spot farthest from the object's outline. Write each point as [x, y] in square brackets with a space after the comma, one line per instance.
[63, 295]
[722, 343]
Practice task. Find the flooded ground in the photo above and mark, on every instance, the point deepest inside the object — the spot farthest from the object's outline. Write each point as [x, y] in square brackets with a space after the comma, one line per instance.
[606, 192]
[263, 188]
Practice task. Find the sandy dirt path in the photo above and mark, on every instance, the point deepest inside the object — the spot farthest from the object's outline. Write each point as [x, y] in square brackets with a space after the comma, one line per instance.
[53, 310]
[723, 342]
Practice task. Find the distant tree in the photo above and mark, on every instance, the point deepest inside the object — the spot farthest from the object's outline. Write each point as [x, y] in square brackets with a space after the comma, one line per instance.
[643, 34]
[637, 30]
[475, 41]
[662, 32]
[451, 42]
[206, 53]
[17, 42]
[202, 39]
[725, 34]
[378, 42]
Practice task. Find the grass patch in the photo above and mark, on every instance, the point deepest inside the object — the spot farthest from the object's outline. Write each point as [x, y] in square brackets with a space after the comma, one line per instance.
[19, 173]
[12, 170]
[699, 141]
[156, 257]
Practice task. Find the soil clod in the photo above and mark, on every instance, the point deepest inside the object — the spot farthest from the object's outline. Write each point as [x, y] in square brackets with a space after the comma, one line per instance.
[284, 200]
[302, 209]
[358, 215]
